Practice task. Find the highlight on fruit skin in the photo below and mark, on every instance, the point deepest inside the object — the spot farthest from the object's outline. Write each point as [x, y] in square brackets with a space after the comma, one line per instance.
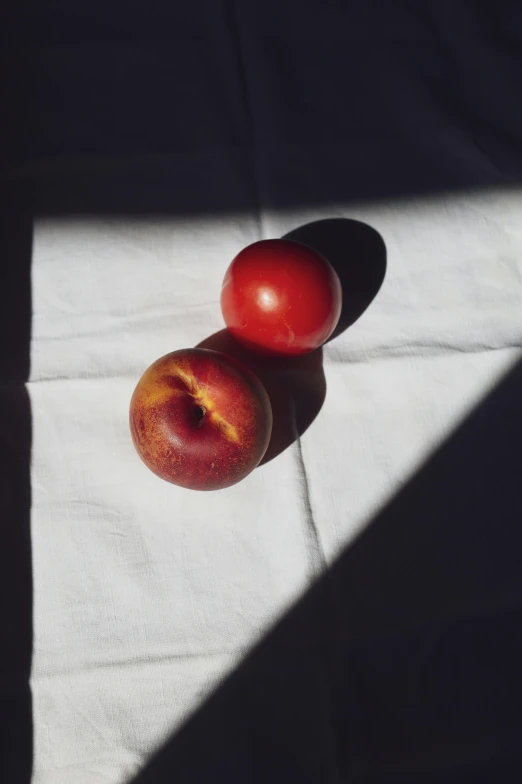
[281, 297]
[200, 419]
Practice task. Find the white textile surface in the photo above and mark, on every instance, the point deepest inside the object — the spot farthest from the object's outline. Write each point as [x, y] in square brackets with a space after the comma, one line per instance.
[146, 594]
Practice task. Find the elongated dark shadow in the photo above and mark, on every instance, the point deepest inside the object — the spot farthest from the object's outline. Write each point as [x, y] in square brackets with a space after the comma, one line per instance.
[16, 587]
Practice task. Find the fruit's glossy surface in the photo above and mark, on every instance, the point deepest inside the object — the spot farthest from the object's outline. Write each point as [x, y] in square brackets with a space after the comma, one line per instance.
[200, 419]
[281, 297]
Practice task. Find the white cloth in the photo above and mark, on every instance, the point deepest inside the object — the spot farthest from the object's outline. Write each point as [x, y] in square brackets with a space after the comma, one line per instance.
[146, 594]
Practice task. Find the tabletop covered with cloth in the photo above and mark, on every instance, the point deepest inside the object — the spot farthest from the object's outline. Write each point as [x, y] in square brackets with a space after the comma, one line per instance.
[349, 612]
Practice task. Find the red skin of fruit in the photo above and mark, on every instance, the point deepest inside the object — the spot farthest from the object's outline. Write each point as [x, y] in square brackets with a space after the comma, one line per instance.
[200, 419]
[281, 297]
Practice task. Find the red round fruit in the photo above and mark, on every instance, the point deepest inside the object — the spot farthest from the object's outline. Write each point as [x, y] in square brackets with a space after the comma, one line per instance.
[281, 297]
[200, 419]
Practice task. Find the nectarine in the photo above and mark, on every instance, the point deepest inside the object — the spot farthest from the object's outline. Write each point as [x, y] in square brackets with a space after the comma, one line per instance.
[200, 419]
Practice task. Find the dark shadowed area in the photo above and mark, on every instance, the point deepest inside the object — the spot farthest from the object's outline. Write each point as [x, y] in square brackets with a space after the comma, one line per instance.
[237, 105]
[16, 598]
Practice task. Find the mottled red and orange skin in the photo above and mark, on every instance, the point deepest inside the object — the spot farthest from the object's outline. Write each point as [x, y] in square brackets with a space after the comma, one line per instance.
[200, 419]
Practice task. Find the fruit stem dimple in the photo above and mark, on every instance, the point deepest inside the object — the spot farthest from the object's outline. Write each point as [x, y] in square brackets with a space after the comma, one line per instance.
[200, 412]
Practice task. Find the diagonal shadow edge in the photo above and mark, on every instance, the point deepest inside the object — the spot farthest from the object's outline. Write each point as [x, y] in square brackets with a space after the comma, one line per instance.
[402, 660]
